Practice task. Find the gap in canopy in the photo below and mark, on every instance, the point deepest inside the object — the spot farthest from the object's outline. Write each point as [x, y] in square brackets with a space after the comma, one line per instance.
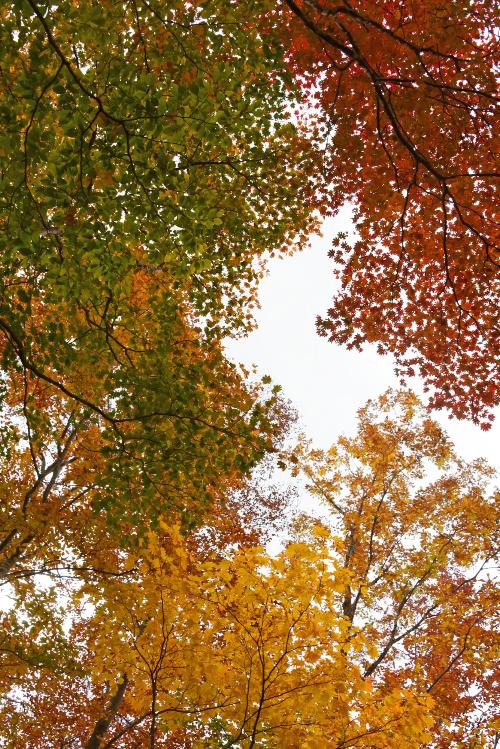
[325, 382]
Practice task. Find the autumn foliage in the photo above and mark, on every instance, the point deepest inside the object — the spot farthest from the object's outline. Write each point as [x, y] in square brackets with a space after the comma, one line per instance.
[376, 629]
[153, 156]
[407, 101]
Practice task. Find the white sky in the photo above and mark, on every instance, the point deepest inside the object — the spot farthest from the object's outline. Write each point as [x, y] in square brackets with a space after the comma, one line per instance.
[325, 382]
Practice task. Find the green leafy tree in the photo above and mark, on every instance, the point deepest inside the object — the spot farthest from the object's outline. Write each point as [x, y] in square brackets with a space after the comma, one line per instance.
[148, 166]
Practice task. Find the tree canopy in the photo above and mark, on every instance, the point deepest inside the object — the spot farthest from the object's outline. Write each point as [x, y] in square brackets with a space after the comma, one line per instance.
[153, 157]
[407, 99]
[376, 629]
[135, 209]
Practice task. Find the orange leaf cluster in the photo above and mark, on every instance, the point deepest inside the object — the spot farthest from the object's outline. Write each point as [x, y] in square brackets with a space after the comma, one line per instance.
[407, 99]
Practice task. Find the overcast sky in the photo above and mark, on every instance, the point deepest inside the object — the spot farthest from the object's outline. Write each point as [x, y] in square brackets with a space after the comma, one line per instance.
[325, 382]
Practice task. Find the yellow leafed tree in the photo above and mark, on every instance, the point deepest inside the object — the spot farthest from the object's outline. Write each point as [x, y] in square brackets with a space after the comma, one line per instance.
[376, 629]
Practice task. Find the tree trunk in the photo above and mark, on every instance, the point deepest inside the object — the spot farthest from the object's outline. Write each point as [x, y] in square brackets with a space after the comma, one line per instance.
[103, 723]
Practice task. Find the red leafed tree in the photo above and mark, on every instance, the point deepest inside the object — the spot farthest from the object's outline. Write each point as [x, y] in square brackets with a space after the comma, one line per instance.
[407, 101]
